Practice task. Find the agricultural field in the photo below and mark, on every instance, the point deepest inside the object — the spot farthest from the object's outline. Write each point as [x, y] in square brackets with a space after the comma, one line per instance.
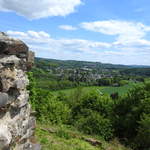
[103, 89]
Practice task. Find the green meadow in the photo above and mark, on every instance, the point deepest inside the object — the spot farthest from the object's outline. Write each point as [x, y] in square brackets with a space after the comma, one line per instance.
[102, 89]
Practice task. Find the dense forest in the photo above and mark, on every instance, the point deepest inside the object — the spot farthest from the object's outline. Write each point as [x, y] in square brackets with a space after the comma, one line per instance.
[102, 111]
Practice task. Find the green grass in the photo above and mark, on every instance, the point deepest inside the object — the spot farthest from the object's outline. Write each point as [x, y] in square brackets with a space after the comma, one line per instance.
[84, 89]
[147, 79]
[104, 89]
[121, 90]
[67, 138]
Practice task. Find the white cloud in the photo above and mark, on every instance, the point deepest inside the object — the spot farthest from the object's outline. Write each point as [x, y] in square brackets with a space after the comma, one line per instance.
[44, 40]
[38, 34]
[126, 32]
[79, 49]
[40, 8]
[67, 27]
[30, 36]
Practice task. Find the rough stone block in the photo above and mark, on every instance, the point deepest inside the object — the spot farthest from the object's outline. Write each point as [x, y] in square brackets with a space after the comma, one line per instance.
[30, 59]
[16, 124]
[5, 136]
[10, 46]
[3, 99]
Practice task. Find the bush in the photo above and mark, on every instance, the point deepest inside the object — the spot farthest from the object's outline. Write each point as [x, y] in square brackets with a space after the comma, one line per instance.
[76, 96]
[50, 108]
[128, 123]
[123, 82]
[114, 96]
[91, 114]
[94, 123]
[57, 111]
[104, 82]
[93, 101]
[143, 135]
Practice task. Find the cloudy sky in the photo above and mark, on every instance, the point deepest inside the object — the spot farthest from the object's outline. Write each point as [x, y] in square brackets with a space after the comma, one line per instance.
[109, 31]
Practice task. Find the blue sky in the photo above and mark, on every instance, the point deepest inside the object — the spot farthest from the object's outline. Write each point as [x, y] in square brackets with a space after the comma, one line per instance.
[109, 31]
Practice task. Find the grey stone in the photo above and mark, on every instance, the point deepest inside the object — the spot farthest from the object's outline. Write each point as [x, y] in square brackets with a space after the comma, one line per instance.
[5, 136]
[30, 59]
[7, 59]
[16, 123]
[30, 146]
[3, 99]
[10, 46]
[36, 147]
[22, 99]
[32, 122]
[20, 84]
[13, 94]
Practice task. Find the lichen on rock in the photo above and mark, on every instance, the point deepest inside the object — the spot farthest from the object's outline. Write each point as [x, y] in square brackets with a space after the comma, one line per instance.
[16, 123]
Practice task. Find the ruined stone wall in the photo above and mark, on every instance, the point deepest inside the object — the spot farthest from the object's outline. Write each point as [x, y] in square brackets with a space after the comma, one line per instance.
[16, 123]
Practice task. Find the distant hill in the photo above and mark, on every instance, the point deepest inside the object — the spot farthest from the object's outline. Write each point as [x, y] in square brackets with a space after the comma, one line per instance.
[83, 64]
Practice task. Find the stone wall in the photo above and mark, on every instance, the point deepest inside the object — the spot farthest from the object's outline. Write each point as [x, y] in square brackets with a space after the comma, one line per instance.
[16, 123]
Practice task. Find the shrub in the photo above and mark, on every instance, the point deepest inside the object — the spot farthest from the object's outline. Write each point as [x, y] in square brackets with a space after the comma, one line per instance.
[123, 82]
[93, 101]
[50, 108]
[91, 114]
[143, 135]
[104, 82]
[94, 123]
[57, 111]
[114, 96]
[128, 123]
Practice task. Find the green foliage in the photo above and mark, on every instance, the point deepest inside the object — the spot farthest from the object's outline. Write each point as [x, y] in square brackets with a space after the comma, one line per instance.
[123, 82]
[128, 112]
[137, 71]
[143, 136]
[91, 111]
[62, 97]
[115, 95]
[94, 123]
[93, 101]
[55, 85]
[91, 114]
[66, 138]
[62, 133]
[75, 96]
[104, 82]
[50, 108]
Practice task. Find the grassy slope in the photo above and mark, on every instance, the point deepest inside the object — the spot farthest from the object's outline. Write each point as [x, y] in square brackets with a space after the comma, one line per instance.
[65, 138]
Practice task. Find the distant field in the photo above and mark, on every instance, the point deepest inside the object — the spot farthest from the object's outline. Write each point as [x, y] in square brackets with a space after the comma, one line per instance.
[104, 89]
[121, 90]
[83, 89]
